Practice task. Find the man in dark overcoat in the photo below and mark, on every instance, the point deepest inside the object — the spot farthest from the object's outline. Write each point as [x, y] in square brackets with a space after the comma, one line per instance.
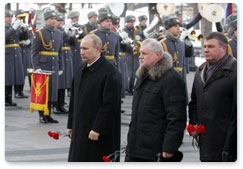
[158, 108]
[214, 101]
[94, 109]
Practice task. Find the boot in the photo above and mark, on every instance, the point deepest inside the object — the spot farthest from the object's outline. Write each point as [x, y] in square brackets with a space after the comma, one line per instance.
[42, 118]
[50, 119]
[56, 110]
[8, 96]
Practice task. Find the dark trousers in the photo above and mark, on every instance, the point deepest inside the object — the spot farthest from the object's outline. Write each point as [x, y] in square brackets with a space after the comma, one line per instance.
[134, 159]
[8, 94]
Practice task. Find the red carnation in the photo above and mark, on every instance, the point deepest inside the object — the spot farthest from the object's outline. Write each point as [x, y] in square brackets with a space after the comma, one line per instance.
[200, 129]
[55, 135]
[106, 159]
[190, 128]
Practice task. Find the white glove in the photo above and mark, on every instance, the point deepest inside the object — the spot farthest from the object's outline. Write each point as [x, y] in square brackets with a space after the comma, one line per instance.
[38, 70]
[70, 33]
[184, 34]
[16, 24]
[60, 72]
[67, 27]
[26, 42]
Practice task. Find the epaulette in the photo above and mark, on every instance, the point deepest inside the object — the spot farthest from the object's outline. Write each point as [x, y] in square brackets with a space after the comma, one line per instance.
[93, 31]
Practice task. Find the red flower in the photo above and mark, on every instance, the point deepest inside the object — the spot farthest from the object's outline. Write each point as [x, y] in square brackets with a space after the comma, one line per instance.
[55, 135]
[190, 128]
[106, 159]
[200, 129]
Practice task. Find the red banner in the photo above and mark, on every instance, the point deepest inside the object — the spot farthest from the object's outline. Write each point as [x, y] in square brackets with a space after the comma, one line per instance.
[39, 92]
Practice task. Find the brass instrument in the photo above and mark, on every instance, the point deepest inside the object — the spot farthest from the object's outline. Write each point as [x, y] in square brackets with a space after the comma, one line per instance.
[152, 30]
[125, 39]
[77, 31]
[185, 35]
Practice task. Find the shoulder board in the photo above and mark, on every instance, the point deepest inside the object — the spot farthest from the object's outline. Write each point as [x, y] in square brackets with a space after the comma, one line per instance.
[93, 31]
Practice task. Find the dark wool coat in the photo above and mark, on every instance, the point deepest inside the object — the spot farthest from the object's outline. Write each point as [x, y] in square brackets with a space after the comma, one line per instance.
[95, 105]
[158, 111]
[214, 105]
[14, 69]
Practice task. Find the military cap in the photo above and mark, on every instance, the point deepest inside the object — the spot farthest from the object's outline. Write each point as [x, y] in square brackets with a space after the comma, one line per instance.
[60, 17]
[115, 20]
[171, 21]
[73, 14]
[101, 10]
[103, 16]
[142, 17]
[8, 13]
[90, 14]
[49, 13]
[130, 18]
[20, 13]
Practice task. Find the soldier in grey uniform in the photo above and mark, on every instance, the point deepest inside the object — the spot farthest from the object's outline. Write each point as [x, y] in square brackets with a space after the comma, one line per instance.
[132, 54]
[110, 40]
[142, 23]
[25, 46]
[91, 24]
[74, 16]
[46, 53]
[65, 80]
[177, 48]
[14, 70]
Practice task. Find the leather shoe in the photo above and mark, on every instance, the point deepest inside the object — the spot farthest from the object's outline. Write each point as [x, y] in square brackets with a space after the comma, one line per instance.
[43, 119]
[62, 109]
[20, 95]
[56, 110]
[10, 104]
[51, 120]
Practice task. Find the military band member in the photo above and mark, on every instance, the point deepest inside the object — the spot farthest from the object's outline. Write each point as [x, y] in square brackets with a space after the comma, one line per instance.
[233, 40]
[46, 55]
[177, 48]
[91, 24]
[65, 79]
[74, 24]
[25, 46]
[132, 55]
[110, 40]
[14, 70]
[142, 23]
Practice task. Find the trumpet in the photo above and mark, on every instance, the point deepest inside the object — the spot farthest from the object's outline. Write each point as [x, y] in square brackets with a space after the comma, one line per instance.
[191, 36]
[24, 26]
[77, 31]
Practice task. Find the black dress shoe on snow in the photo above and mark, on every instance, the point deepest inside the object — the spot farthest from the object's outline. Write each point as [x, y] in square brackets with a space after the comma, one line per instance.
[56, 110]
[63, 110]
[51, 120]
[10, 104]
[43, 119]
[19, 96]
[23, 95]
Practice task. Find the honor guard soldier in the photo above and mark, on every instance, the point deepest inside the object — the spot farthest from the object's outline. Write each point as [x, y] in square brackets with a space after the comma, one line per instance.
[132, 55]
[110, 40]
[229, 30]
[46, 53]
[25, 46]
[177, 48]
[76, 28]
[92, 23]
[65, 79]
[14, 70]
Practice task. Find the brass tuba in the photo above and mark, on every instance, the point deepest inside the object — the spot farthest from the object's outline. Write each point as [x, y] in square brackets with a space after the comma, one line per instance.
[152, 30]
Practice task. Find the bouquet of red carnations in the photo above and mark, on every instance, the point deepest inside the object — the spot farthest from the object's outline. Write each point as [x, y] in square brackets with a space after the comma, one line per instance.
[195, 131]
[55, 134]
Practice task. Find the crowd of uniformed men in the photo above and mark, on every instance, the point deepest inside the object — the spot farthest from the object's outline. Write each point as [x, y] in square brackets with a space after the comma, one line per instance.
[56, 48]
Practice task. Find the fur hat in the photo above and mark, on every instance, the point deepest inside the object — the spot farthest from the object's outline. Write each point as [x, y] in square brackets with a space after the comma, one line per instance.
[49, 13]
[73, 14]
[60, 17]
[142, 17]
[8, 13]
[130, 18]
[171, 21]
[20, 13]
[90, 14]
[101, 10]
[115, 20]
[103, 16]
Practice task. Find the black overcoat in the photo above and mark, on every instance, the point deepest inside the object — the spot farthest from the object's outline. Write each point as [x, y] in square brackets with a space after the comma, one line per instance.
[95, 105]
[214, 105]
